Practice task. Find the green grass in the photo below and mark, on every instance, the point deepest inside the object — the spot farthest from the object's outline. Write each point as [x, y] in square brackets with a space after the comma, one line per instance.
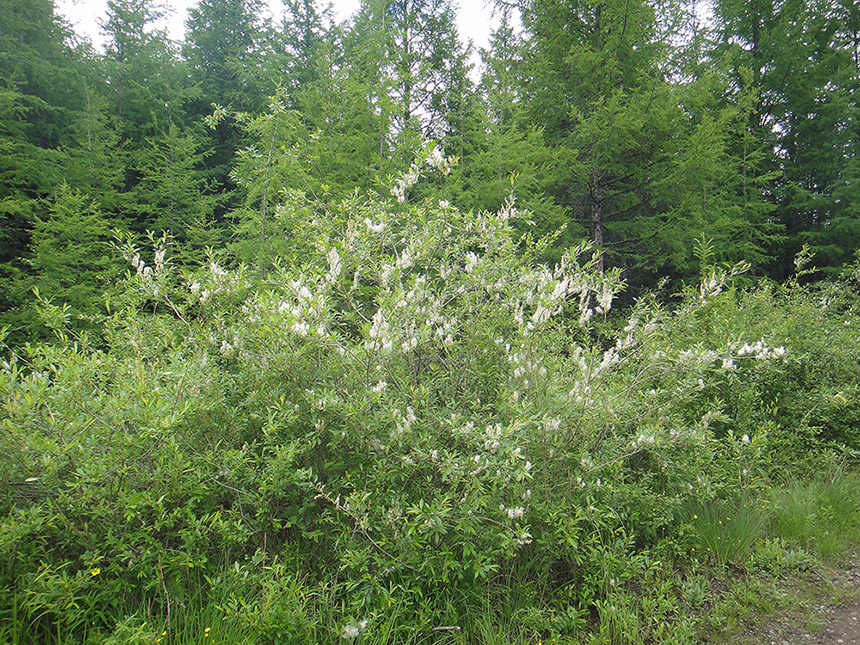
[821, 515]
[725, 531]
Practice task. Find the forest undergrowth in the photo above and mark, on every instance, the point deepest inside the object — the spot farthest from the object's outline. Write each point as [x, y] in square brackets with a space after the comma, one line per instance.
[405, 429]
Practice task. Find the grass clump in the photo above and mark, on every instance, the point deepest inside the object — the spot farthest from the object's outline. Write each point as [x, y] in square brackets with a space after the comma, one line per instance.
[725, 532]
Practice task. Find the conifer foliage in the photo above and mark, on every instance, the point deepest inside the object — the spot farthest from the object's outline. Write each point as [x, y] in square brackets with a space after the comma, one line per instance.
[639, 126]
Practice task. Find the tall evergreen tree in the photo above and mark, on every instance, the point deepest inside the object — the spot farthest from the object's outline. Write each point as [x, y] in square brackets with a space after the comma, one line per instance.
[341, 124]
[132, 64]
[222, 45]
[171, 195]
[819, 200]
[223, 49]
[411, 52]
[150, 97]
[306, 28]
[508, 153]
[40, 83]
[97, 162]
[799, 59]
[596, 86]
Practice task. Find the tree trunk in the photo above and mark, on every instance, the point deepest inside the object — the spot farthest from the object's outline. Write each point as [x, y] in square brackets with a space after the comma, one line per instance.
[597, 228]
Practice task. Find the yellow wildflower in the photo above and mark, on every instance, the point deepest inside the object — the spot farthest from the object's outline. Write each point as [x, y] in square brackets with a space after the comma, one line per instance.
[95, 572]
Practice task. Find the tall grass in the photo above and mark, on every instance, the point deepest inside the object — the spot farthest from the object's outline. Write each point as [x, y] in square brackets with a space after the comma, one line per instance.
[725, 531]
[821, 515]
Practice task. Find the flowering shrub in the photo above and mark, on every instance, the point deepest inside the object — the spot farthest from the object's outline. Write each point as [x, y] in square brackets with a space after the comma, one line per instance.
[407, 407]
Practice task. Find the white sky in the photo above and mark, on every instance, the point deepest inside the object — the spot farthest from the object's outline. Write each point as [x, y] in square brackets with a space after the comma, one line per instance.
[474, 18]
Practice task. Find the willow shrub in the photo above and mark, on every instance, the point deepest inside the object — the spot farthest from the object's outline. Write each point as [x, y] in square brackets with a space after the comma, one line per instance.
[406, 412]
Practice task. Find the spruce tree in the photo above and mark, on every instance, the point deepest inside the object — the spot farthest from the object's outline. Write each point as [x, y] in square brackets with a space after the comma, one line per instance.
[71, 257]
[596, 86]
[410, 50]
[508, 154]
[799, 61]
[223, 49]
[40, 96]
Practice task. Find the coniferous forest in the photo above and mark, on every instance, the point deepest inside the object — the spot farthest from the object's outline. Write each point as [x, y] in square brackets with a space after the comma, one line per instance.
[315, 331]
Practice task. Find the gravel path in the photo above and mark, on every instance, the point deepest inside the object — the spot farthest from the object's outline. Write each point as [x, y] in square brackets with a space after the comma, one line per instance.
[825, 624]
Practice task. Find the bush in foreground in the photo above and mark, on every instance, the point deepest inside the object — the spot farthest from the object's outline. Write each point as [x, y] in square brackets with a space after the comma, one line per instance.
[408, 425]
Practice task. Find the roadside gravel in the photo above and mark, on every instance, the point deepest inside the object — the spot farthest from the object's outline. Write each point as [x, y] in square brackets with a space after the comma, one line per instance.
[832, 618]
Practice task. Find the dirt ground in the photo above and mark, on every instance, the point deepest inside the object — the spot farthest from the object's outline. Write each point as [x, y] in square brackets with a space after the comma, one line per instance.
[832, 617]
